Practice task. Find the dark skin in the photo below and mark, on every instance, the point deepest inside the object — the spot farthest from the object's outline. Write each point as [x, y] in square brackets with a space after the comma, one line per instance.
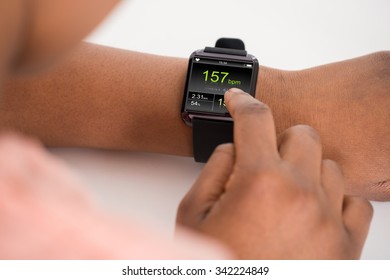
[346, 102]
[242, 183]
[93, 99]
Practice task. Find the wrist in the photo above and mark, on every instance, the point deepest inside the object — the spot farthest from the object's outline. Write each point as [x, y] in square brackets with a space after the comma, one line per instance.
[279, 90]
[347, 103]
[302, 97]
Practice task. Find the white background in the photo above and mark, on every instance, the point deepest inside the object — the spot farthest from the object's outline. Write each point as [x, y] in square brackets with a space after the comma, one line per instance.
[282, 34]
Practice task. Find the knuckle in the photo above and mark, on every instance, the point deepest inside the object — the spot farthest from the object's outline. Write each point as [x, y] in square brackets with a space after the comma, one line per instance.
[256, 180]
[254, 108]
[181, 213]
[184, 211]
[310, 131]
[270, 185]
[266, 177]
[367, 207]
[183, 205]
[307, 197]
[226, 148]
[370, 209]
[361, 205]
[272, 182]
[303, 132]
[332, 165]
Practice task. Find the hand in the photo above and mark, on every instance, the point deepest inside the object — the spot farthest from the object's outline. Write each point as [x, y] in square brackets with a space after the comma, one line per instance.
[270, 199]
[348, 104]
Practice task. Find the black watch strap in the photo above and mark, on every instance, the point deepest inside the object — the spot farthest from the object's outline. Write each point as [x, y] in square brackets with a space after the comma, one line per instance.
[207, 134]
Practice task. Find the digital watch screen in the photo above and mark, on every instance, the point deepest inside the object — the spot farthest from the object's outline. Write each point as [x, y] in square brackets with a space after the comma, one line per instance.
[212, 71]
[210, 77]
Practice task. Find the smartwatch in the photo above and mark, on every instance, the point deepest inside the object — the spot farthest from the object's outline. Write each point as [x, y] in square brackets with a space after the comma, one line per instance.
[211, 72]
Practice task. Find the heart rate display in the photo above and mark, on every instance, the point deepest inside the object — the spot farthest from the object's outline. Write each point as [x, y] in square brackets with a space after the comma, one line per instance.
[209, 81]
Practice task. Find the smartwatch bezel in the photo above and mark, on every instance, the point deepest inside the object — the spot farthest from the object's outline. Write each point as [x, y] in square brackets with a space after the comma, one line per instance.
[187, 116]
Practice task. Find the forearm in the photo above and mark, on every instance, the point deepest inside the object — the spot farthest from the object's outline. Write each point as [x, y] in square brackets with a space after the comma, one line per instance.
[348, 104]
[104, 98]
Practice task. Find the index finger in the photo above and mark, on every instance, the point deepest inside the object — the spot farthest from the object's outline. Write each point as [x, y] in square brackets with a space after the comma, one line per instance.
[254, 129]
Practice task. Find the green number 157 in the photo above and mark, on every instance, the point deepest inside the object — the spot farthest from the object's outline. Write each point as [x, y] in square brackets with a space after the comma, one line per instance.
[215, 76]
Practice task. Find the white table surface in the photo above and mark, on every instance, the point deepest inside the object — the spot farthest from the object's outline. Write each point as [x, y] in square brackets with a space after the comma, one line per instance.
[281, 33]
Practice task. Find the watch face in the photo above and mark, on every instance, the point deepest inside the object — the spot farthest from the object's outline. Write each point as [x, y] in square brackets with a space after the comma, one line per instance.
[209, 79]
